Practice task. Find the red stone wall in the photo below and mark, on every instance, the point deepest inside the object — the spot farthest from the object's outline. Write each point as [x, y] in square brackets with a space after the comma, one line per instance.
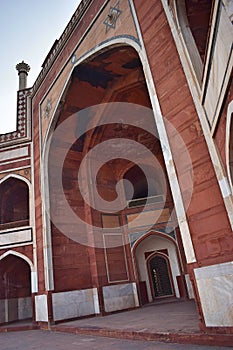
[71, 264]
[208, 221]
[206, 213]
[44, 87]
[26, 250]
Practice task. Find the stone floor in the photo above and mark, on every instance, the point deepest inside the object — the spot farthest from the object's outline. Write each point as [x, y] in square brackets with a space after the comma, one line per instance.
[172, 317]
[167, 321]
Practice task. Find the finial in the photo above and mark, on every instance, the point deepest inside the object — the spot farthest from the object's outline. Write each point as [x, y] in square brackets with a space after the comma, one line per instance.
[23, 69]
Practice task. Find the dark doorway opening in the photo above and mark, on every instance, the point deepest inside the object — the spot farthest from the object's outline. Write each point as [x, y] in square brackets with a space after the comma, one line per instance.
[160, 277]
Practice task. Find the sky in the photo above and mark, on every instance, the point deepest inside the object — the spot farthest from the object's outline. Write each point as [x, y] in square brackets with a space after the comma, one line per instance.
[28, 29]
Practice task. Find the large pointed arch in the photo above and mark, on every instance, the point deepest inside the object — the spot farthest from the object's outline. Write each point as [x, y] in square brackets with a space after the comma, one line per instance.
[163, 136]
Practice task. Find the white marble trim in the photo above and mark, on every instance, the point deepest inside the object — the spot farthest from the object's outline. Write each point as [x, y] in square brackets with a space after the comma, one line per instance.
[219, 171]
[215, 286]
[213, 271]
[14, 153]
[41, 308]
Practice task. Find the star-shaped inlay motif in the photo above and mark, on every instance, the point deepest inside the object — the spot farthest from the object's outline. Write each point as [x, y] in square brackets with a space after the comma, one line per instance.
[112, 17]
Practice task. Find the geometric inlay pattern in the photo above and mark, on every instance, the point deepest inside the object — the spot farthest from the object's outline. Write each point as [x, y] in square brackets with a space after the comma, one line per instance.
[21, 130]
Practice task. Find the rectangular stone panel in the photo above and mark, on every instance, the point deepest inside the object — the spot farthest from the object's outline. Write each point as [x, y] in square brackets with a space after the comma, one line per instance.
[111, 221]
[149, 217]
[15, 237]
[41, 308]
[67, 305]
[24, 308]
[12, 310]
[115, 258]
[120, 297]
[215, 286]
[14, 154]
[2, 311]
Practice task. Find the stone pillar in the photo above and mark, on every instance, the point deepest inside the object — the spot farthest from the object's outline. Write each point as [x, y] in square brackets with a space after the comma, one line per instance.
[23, 69]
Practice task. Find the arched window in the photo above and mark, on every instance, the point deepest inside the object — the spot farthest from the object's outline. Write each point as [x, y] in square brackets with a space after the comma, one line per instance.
[14, 203]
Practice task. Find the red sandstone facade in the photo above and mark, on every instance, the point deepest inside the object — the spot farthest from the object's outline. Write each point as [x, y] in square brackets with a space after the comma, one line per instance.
[133, 92]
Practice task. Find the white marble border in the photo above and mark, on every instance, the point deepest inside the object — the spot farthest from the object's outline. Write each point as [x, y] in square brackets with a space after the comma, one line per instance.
[15, 237]
[41, 306]
[120, 296]
[73, 304]
[228, 136]
[215, 288]
[20, 152]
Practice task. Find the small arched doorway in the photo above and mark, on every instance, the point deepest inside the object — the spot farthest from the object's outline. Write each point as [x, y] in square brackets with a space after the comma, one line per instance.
[15, 291]
[158, 266]
[160, 276]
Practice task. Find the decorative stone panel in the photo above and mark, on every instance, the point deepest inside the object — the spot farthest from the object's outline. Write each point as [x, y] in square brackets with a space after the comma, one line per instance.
[215, 286]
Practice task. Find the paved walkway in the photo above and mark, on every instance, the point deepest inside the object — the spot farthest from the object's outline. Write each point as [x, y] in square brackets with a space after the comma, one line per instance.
[170, 322]
[170, 317]
[175, 322]
[37, 340]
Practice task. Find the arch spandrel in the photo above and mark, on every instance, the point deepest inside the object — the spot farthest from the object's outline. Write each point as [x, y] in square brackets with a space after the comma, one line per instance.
[19, 255]
[23, 173]
[99, 36]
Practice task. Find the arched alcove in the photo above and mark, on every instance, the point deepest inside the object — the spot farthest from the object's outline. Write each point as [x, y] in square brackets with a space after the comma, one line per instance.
[149, 246]
[15, 291]
[112, 75]
[14, 203]
[89, 244]
[139, 180]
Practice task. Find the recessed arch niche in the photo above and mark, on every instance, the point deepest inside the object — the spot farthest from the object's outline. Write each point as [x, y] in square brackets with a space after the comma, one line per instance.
[14, 203]
[115, 75]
